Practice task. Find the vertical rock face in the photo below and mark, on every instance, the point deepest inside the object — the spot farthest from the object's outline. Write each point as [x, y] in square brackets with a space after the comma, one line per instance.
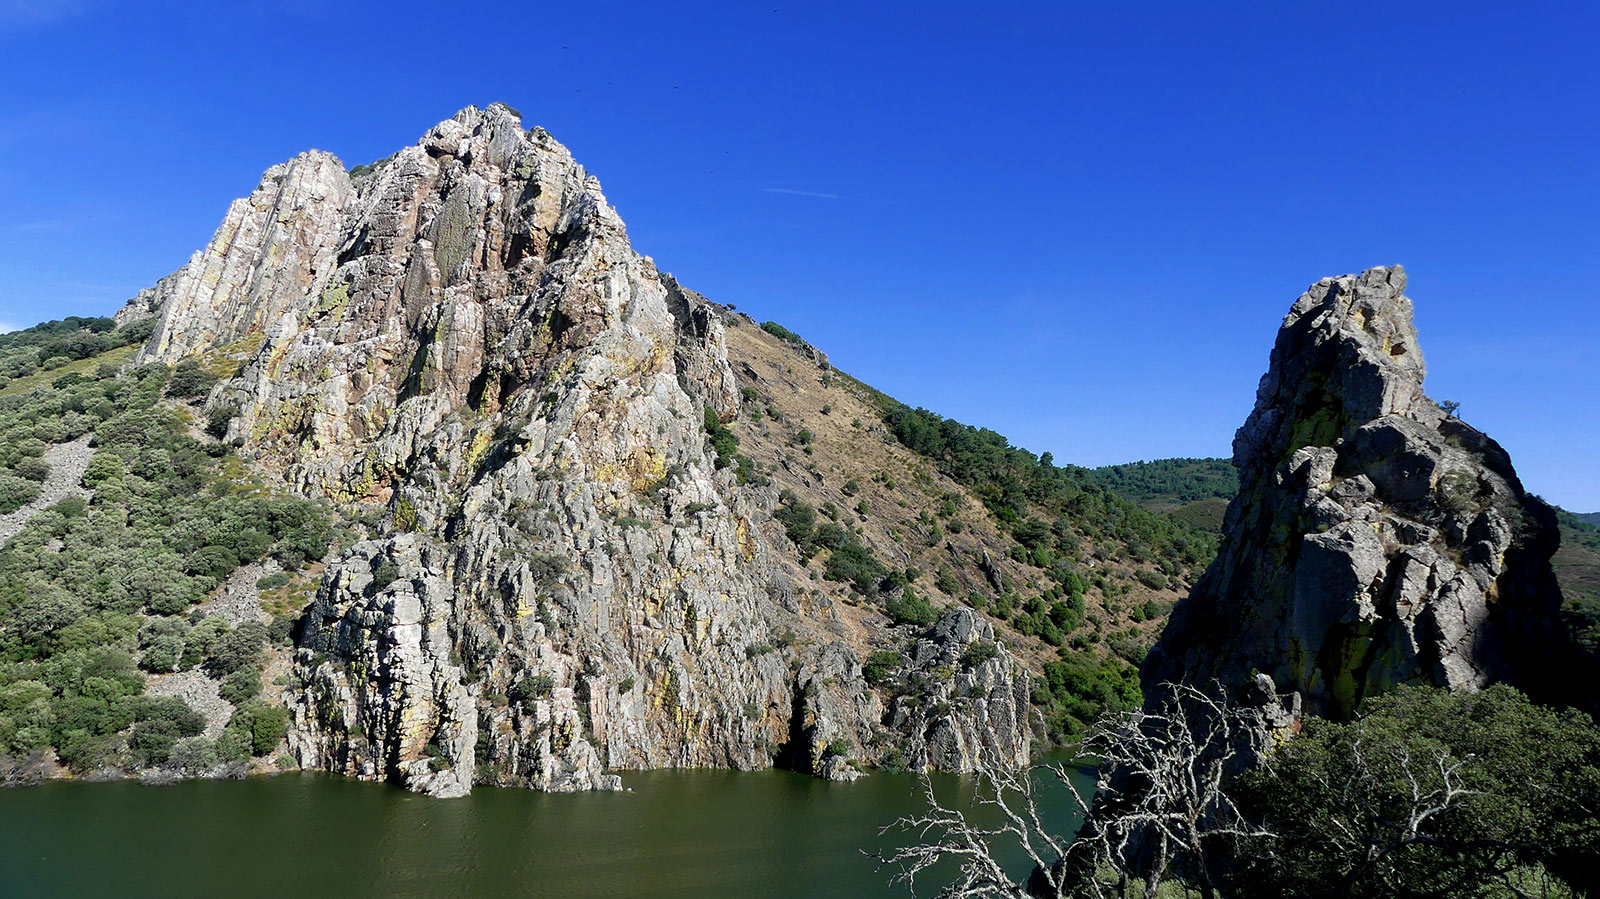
[564, 581]
[1375, 540]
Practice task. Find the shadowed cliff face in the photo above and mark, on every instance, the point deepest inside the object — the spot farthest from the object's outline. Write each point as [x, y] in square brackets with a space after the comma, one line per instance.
[564, 580]
[1375, 540]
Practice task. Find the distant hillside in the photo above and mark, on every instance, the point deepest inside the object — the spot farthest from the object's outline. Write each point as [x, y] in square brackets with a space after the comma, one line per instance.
[1589, 517]
[1169, 483]
[1577, 566]
[1193, 492]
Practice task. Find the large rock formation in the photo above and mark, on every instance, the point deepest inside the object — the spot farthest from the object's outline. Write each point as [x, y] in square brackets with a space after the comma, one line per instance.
[1376, 540]
[563, 580]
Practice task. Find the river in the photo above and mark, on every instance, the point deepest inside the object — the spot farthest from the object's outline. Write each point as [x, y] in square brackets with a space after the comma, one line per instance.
[672, 834]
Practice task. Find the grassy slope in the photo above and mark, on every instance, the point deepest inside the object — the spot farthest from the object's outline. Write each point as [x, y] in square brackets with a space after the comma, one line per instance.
[855, 458]
[85, 367]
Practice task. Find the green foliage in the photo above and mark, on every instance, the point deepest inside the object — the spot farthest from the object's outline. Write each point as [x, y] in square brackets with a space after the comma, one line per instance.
[256, 727]
[1155, 580]
[906, 607]
[799, 521]
[723, 441]
[190, 381]
[782, 333]
[532, 687]
[548, 569]
[273, 581]
[979, 652]
[880, 666]
[855, 564]
[1078, 689]
[386, 573]
[1172, 481]
[51, 344]
[1342, 800]
[218, 419]
[1051, 510]
[94, 593]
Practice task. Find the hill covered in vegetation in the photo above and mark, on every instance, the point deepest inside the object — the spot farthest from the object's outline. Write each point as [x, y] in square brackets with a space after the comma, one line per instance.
[901, 512]
[113, 653]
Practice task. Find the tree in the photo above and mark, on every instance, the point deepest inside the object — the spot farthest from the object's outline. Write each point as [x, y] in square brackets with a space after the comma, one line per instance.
[1160, 807]
[1162, 802]
[1429, 794]
[950, 833]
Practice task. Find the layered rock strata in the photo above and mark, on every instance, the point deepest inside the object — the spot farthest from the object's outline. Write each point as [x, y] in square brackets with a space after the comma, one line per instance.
[565, 579]
[1377, 539]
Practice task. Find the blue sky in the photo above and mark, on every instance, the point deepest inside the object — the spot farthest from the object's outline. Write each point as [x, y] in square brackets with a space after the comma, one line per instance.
[1077, 224]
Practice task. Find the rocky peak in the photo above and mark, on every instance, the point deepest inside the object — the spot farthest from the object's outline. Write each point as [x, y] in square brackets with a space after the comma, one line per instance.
[566, 577]
[1376, 540]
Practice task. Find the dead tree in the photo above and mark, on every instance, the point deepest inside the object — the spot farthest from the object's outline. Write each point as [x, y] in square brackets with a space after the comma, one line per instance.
[1159, 803]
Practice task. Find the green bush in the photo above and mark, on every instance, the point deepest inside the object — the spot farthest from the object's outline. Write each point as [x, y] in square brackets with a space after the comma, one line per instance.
[979, 652]
[1341, 801]
[907, 607]
[531, 688]
[879, 666]
[724, 442]
[189, 381]
[262, 725]
[780, 332]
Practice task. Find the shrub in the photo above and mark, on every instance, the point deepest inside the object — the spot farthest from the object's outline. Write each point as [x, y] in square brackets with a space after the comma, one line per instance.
[32, 468]
[854, 563]
[723, 441]
[241, 685]
[532, 687]
[1532, 807]
[189, 380]
[780, 332]
[264, 725]
[385, 574]
[547, 569]
[218, 419]
[237, 649]
[1155, 580]
[273, 581]
[879, 666]
[909, 608]
[979, 652]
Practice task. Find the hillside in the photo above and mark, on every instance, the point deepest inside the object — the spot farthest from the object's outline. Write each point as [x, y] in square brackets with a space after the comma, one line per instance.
[1171, 483]
[1577, 565]
[1078, 578]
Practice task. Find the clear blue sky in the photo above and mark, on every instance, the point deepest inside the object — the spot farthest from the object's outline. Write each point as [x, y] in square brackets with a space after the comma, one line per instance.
[1079, 224]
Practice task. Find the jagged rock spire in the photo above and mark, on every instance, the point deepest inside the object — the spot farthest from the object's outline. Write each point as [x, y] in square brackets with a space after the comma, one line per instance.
[1375, 539]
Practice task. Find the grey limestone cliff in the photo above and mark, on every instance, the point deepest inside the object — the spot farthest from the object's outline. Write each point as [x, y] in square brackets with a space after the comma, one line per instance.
[565, 582]
[1376, 540]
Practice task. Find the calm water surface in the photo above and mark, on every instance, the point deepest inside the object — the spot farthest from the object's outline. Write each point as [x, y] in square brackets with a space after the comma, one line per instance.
[678, 833]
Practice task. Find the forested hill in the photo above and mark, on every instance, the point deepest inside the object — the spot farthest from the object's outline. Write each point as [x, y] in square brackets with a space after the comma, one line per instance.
[1169, 483]
[121, 517]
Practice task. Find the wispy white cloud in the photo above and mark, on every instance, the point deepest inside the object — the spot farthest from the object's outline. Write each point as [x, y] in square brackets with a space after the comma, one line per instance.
[51, 225]
[800, 193]
[23, 13]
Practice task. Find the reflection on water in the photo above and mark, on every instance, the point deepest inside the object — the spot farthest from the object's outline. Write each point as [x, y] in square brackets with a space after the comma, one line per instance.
[676, 833]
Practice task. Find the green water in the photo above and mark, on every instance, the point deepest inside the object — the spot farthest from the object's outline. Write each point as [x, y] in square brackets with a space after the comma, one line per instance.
[681, 833]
